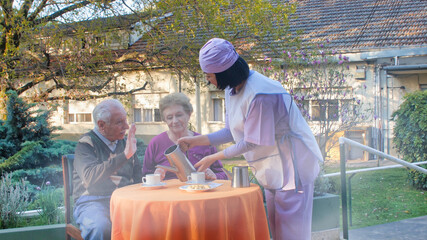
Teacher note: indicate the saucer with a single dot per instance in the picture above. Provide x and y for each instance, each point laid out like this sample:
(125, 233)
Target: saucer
(153, 186)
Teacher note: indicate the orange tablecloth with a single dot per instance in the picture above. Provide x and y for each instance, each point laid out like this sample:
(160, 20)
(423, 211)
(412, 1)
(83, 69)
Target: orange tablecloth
(170, 213)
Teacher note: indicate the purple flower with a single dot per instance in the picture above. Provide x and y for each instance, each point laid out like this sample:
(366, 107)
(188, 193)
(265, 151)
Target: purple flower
(327, 40)
(291, 92)
(340, 57)
(334, 52)
(47, 183)
(375, 116)
(38, 188)
(289, 55)
(340, 62)
(364, 86)
(358, 101)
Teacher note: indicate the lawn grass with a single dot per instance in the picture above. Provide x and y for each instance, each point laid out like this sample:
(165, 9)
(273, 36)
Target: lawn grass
(378, 197)
(383, 196)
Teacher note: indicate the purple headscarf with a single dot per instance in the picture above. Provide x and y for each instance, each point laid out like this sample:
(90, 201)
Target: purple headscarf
(217, 55)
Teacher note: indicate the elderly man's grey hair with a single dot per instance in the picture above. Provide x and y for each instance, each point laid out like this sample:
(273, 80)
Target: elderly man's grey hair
(102, 111)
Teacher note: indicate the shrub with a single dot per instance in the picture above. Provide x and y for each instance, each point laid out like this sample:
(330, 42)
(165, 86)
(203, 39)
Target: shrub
(48, 201)
(13, 200)
(24, 134)
(410, 133)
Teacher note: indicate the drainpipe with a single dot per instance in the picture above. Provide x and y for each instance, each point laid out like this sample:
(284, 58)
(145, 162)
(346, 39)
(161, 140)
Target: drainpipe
(383, 106)
(396, 63)
(387, 112)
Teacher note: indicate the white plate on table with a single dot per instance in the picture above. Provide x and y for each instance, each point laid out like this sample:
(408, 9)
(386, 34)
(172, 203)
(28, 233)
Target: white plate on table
(190, 188)
(206, 182)
(153, 186)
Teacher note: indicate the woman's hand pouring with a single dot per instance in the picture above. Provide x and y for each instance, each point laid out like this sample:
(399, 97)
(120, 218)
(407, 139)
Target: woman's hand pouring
(188, 142)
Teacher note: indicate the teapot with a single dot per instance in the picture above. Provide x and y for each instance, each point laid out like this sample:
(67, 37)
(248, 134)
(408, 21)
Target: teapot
(180, 165)
(240, 176)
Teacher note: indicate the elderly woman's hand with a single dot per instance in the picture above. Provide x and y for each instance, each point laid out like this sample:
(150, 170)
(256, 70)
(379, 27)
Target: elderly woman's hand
(161, 172)
(210, 175)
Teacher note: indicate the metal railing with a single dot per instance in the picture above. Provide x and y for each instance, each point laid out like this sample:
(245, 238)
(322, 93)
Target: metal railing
(345, 141)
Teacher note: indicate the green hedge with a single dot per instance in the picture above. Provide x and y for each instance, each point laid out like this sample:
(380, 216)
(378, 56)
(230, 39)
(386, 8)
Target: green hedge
(410, 133)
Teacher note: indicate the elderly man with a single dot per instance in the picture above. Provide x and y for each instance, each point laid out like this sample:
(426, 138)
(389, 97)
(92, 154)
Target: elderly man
(104, 161)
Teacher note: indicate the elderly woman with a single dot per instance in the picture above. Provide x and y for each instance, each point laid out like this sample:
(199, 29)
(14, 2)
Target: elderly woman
(269, 131)
(175, 110)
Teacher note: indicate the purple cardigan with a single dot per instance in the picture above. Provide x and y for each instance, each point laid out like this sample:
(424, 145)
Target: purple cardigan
(154, 155)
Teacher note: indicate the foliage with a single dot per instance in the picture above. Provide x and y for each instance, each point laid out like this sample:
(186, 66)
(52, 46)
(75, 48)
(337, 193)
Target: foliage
(48, 201)
(322, 87)
(33, 34)
(410, 133)
(252, 27)
(36, 176)
(70, 49)
(25, 129)
(26, 145)
(13, 200)
(140, 149)
(322, 184)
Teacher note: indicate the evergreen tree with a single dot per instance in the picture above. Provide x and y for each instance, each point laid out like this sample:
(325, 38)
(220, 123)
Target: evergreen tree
(25, 129)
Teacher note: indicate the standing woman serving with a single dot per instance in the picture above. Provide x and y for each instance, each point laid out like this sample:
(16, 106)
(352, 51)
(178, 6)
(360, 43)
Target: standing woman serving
(269, 130)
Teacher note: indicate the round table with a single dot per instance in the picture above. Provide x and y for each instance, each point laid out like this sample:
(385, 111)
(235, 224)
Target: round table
(171, 213)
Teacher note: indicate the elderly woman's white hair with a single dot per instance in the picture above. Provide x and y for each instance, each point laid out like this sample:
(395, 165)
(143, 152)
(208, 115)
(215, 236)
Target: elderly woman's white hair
(102, 111)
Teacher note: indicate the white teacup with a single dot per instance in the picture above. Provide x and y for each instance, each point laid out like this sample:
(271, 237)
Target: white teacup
(151, 179)
(197, 177)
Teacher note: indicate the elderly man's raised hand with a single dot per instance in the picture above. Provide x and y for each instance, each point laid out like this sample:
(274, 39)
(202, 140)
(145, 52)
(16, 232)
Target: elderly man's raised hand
(130, 148)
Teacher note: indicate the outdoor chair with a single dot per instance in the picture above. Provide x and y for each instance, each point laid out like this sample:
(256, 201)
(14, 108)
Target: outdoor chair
(71, 231)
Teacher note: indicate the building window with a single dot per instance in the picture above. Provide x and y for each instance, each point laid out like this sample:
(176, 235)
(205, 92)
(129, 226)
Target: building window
(322, 110)
(218, 113)
(79, 117)
(137, 114)
(146, 115)
(157, 117)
